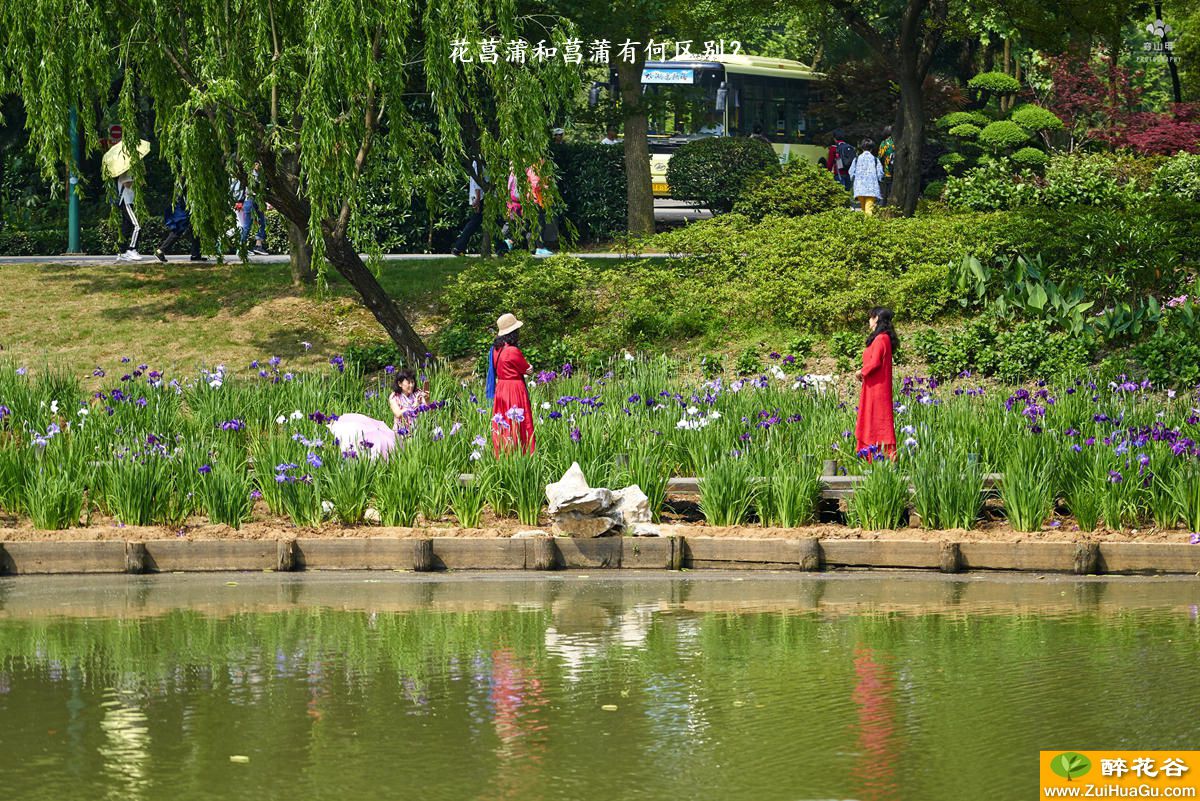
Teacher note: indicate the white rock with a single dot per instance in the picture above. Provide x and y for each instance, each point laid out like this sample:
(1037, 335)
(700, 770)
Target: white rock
(371, 515)
(631, 506)
(572, 494)
(645, 530)
(585, 526)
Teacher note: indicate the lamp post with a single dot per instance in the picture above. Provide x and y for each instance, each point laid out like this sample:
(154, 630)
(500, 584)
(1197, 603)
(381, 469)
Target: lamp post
(72, 184)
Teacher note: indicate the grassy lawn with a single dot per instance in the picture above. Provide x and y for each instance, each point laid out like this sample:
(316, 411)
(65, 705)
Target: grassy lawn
(182, 316)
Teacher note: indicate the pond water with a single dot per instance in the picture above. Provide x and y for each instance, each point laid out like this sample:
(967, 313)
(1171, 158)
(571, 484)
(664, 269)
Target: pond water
(582, 686)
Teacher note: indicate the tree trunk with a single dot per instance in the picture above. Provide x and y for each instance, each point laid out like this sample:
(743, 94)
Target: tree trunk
(639, 192)
(300, 252)
(1172, 66)
(906, 184)
(345, 259)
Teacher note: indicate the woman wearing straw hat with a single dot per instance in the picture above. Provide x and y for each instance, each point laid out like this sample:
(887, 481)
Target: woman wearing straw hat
(512, 418)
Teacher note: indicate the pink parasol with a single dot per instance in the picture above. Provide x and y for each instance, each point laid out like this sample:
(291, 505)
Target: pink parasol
(357, 430)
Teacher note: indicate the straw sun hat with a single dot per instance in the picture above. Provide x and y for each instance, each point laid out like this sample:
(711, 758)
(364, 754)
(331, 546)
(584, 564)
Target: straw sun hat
(507, 324)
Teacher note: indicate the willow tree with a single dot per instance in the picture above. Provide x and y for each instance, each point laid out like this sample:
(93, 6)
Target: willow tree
(311, 90)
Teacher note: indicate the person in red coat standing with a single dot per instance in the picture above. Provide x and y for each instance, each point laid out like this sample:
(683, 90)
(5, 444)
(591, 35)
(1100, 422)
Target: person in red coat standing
(512, 418)
(876, 429)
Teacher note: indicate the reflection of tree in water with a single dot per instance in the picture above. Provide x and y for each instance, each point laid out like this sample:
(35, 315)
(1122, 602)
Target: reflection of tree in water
(517, 702)
(874, 695)
(126, 744)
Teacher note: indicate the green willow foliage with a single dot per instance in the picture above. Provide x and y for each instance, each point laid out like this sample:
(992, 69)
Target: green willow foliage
(313, 89)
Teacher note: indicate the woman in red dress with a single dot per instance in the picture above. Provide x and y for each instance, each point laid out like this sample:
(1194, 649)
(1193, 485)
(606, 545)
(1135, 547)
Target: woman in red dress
(876, 429)
(512, 418)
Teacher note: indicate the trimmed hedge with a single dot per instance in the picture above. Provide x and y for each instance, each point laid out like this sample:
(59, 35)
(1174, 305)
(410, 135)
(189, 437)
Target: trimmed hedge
(803, 188)
(715, 170)
(593, 188)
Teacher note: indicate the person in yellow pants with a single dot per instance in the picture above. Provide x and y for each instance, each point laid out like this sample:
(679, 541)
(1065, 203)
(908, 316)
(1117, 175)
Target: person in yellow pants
(866, 171)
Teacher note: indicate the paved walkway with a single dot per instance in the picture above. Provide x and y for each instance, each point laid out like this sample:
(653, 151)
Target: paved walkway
(148, 258)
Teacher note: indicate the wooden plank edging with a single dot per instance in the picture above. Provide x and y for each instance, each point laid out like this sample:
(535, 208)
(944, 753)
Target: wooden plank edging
(629, 553)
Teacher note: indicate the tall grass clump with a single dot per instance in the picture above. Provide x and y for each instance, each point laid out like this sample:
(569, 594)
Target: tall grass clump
(1028, 485)
(727, 492)
(224, 490)
(348, 482)
(522, 479)
(947, 483)
(1184, 489)
(650, 469)
(136, 486)
(466, 501)
(54, 498)
(790, 496)
(398, 490)
(881, 498)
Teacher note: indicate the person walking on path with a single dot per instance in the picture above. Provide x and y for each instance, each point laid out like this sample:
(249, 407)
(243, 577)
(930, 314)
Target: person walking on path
(475, 199)
(866, 171)
(876, 428)
(252, 210)
(839, 158)
(512, 418)
(130, 227)
(887, 154)
(179, 224)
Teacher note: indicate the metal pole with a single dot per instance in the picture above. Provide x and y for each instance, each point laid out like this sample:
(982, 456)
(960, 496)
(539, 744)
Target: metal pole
(72, 183)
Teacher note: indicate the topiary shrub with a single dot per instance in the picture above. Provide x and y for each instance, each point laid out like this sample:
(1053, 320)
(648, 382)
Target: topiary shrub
(714, 171)
(1030, 158)
(933, 190)
(1036, 118)
(1179, 177)
(963, 117)
(995, 82)
(1003, 135)
(965, 130)
(952, 162)
(802, 188)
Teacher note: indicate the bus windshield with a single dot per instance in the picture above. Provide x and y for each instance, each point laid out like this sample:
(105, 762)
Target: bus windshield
(682, 102)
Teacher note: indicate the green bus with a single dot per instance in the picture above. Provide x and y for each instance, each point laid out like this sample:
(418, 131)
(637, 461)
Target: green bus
(689, 97)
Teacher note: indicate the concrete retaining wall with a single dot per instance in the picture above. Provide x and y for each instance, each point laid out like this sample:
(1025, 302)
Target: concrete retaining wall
(547, 553)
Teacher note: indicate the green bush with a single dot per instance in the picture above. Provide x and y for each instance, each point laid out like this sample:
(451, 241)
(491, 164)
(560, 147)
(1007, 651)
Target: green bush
(991, 187)
(965, 130)
(553, 296)
(592, 183)
(715, 170)
(997, 83)
(1003, 135)
(1092, 180)
(933, 190)
(952, 161)
(846, 347)
(823, 271)
(1030, 158)
(1035, 118)
(976, 118)
(1179, 177)
(803, 188)
(1032, 350)
(1171, 356)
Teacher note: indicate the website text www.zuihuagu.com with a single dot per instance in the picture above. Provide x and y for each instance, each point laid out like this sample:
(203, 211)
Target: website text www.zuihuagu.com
(1118, 791)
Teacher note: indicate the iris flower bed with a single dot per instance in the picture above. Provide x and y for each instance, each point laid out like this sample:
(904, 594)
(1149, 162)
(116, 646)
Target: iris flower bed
(231, 446)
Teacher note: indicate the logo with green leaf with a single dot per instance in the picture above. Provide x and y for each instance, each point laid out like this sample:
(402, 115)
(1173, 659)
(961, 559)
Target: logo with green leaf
(1070, 765)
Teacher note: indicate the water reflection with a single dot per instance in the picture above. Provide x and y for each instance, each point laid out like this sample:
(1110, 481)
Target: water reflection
(125, 746)
(559, 690)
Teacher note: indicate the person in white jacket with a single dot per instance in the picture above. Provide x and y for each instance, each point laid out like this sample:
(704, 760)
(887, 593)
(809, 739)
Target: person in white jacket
(866, 171)
(130, 227)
